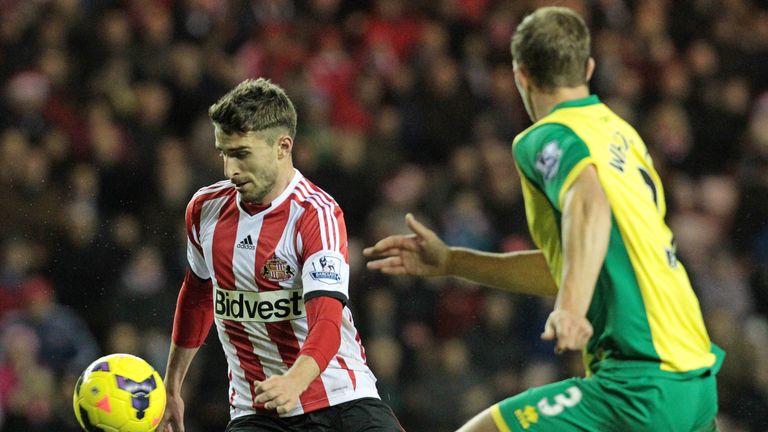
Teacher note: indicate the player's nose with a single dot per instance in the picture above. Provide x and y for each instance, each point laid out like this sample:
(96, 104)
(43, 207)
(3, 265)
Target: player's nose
(231, 167)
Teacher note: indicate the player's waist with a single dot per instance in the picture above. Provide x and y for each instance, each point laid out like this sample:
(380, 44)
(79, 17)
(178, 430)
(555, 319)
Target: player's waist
(335, 391)
(269, 357)
(274, 352)
(258, 306)
(707, 363)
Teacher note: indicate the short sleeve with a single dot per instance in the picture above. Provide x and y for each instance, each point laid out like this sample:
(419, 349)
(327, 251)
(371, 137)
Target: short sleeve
(551, 156)
(195, 257)
(325, 269)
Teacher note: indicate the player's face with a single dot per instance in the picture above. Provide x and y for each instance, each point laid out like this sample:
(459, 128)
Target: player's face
(251, 162)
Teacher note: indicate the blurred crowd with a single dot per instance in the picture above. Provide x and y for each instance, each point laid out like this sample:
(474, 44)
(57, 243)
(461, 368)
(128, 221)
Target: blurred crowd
(403, 106)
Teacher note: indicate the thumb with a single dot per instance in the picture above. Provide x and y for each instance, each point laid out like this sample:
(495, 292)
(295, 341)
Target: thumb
(416, 226)
(549, 332)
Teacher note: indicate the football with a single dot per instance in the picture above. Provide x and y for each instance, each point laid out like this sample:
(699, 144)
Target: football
(119, 393)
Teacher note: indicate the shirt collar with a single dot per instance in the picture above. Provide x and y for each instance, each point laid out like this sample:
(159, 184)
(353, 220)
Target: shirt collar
(573, 103)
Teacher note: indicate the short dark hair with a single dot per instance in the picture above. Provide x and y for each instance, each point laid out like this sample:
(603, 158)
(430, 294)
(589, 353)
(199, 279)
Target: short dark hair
(552, 44)
(253, 106)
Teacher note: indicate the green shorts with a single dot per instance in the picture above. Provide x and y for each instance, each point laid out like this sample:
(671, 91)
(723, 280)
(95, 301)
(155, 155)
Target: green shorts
(606, 404)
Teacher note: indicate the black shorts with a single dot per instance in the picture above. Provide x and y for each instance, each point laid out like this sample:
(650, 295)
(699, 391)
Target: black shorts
(360, 415)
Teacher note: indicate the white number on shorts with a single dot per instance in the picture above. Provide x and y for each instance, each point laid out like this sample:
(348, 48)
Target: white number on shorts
(571, 397)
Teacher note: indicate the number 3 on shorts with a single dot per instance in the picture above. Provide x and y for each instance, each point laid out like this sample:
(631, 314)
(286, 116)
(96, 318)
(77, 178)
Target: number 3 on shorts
(569, 398)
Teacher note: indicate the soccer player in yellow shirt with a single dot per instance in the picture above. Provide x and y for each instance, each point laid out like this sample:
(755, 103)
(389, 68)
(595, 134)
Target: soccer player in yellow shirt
(595, 208)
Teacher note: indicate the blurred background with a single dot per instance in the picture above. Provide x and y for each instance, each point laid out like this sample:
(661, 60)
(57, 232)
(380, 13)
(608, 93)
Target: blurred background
(403, 106)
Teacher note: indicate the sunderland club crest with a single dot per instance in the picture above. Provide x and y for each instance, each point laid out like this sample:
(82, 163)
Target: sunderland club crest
(276, 270)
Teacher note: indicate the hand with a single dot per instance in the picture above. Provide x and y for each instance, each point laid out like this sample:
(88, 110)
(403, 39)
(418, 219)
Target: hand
(571, 330)
(418, 254)
(173, 419)
(279, 392)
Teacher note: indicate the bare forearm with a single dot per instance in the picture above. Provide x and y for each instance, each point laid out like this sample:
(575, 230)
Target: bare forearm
(304, 371)
(282, 392)
(179, 360)
(586, 231)
(524, 272)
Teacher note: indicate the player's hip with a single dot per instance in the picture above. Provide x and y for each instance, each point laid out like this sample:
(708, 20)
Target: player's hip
(333, 387)
(364, 414)
(605, 404)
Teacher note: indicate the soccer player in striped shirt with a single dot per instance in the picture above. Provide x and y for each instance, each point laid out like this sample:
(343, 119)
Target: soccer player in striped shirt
(267, 254)
(595, 209)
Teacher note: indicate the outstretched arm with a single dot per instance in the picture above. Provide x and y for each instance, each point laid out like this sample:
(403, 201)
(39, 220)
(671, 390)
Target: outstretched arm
(524, 272)
(423, 253)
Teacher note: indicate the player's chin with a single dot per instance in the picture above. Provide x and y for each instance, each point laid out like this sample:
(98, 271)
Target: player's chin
(252, 195)
(249, 197)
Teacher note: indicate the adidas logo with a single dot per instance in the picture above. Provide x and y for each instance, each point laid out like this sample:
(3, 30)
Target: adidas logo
(246, 243)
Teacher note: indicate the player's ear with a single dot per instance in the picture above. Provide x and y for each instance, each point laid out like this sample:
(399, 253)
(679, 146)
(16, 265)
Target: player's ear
(522, 79)
(284, 146)
(590, 68)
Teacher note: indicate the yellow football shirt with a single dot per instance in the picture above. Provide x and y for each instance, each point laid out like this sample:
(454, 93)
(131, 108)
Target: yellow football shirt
(644, 311)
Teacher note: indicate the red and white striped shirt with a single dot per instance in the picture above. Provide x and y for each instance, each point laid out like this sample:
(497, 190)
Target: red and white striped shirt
(262, 268)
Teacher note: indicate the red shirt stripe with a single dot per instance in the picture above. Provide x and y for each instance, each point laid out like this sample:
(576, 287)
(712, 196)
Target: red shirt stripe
(281, 332)
(349, 371)
(224, 243)
(194, 210)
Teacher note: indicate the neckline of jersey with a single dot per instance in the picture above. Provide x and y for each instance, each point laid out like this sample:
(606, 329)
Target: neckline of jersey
(573, 103)
(277, 201)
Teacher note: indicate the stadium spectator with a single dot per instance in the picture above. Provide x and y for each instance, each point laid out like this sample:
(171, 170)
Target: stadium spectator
(27, 386)
(65, 342)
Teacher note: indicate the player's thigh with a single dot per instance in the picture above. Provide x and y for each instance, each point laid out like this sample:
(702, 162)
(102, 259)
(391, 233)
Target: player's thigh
(575, 404)
(368, 415)
(256, 423)
(609, 404)
(318, 421)
(709, 427)
(482, 422)
(687, 404)
(652, 404)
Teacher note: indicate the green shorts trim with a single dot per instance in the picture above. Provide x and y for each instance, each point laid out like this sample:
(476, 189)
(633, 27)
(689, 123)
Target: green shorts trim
(501, 424)
(607, 404)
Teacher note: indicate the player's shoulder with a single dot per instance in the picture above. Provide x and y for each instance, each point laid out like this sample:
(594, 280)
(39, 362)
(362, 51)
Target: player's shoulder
(545, 131)
(542, 134)
(215, 190)
(307, 194)
(224, 188)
